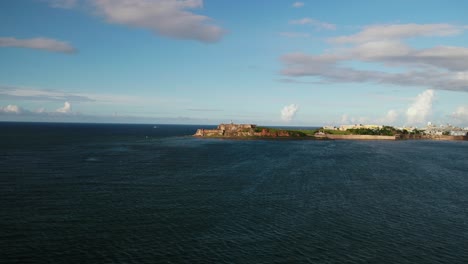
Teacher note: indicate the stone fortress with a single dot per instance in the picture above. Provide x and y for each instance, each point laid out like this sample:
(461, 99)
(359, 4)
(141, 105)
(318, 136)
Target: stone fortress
(228, 130)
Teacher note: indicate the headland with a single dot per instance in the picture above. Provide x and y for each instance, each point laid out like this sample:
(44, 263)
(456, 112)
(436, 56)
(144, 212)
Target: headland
(355, 132)
(252, 131)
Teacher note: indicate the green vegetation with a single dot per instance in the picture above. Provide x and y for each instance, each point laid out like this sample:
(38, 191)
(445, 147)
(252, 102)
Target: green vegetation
(308, 132)
(416, 132)
(335, 132)
(384, 131)
(296, 133)
(292, 133)
(258, 129)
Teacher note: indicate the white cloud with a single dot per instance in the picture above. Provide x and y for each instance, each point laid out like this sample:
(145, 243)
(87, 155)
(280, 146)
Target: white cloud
(399, 31)
(165, 17)
(16, 93)
(288, 112)
(13, 109)
(461, 114)
(389, 119)
(66, 109)
(440, 67)
(418, 112)
(37, 43)
(297, 4)
(66, 4)
(317, 24)
(30, 94)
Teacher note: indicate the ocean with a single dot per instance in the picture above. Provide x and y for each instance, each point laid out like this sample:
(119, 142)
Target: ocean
(100, 193)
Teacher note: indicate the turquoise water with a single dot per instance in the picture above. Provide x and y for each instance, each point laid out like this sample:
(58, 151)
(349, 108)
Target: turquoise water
(77, 193)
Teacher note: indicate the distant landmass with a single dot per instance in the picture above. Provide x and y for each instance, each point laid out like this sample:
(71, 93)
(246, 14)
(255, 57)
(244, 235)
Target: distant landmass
(351, 132)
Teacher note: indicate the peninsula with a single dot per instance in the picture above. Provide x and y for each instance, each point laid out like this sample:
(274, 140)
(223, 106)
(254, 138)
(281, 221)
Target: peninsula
(250, 131)
(350, 132)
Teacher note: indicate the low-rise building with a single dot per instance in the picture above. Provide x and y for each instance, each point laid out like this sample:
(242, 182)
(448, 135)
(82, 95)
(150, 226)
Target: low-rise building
(359, 126)
(459, 133)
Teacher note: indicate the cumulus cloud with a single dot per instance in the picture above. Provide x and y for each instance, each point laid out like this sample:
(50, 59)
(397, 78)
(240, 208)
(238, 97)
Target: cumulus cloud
(66, 109)
(164, 17)
(15, 109)
(12, 109)
(317, 24)
(421, 108)
(440, 67)
(461, 114)
(288, 112)
(297, 4)
(389, 119)
(38, 43)
(391, 116)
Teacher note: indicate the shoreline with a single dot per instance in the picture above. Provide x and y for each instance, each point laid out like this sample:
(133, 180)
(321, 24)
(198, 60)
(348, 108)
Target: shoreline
(338, 137)
(253, 132)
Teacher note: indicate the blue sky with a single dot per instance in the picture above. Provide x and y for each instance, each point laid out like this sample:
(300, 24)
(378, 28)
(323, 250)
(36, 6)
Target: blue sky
(206, 62)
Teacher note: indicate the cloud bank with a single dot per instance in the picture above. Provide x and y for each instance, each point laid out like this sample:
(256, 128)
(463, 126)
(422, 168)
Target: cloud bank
(29, 94)
(399, 31)
(395, 62)
(288, 112)
(11, 109)
(38, 43)
(17, 110)
(163, 17)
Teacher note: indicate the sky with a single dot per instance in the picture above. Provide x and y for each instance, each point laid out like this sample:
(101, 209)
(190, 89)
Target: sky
(295, 63)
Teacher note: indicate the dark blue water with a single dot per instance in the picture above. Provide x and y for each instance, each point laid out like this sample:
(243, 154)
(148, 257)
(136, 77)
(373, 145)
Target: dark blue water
(75, 193)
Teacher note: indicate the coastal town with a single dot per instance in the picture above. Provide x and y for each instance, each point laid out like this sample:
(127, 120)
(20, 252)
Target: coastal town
(356, 132)
(430, 129)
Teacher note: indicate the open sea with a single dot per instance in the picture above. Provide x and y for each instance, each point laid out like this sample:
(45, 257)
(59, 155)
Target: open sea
(95, 193)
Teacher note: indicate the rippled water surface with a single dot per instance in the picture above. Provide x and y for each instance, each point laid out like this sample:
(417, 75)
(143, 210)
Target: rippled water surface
(75, 193)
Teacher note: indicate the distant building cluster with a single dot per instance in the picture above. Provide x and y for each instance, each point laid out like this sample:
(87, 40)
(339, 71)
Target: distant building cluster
(355, 126)
(430, 129)
(447, 129)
